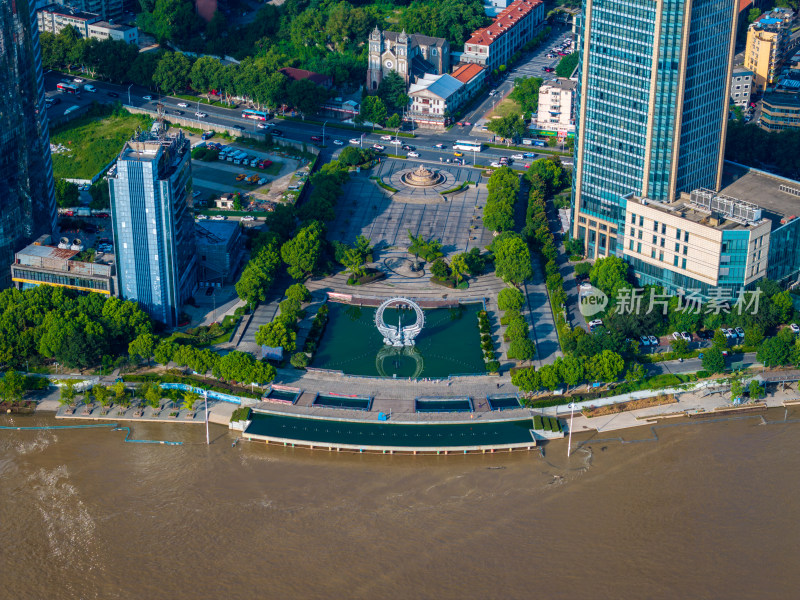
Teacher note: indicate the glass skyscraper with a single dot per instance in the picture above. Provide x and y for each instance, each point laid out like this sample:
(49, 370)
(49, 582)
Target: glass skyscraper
(27, 196)
(652, 107)
(153, 224)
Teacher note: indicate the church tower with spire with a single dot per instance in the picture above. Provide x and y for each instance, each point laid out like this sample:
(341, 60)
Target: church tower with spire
(374, 68)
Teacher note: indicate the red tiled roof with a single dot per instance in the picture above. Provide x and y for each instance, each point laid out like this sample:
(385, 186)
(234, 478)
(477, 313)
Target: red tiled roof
(744, 4)
(298, 74)
(503, 22)
(466, 73)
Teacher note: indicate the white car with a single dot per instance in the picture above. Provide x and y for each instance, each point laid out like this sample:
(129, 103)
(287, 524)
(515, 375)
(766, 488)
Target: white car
(517, 157)
(439, 146)
(595, 323)
(586, 286)
(653, 340)
(386, 138)
(676, 335)
(686, 335)
(218, 218)
(202, 217)
(248, 218)
(261, 125)
(183, 104)
(338, 142)
(147, 98)
(200, 115)
(396, 142)
(795, 327)
(378, 147)
(496, 165)
(355, 141)
(77, 80)
(413, 154)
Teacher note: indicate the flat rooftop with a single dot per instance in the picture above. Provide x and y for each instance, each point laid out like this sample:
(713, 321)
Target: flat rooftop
(763, 189)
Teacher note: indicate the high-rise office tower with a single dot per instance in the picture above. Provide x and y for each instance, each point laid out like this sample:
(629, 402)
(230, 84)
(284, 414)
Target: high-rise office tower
(27, 197)
(653, 96)
(153, 224)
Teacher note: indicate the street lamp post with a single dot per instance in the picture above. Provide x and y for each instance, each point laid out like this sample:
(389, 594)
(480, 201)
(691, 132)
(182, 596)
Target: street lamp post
(205, 397)
(129, 94)
(323, 132)
(571, 416)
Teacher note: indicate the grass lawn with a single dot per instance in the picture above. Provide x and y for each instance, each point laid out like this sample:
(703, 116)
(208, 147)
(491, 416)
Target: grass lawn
(506, 107)
(93, 143)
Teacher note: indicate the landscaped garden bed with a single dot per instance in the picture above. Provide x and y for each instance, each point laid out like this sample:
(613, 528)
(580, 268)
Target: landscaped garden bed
(612, 409)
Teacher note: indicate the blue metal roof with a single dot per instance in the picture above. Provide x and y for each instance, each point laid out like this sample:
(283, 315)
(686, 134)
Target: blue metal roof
(445, 86)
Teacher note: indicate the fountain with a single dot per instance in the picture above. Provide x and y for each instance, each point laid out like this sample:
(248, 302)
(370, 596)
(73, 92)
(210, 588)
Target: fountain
(422, 177)
(399, 336)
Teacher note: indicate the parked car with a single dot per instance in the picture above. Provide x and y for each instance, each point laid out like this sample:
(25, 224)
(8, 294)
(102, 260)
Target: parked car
(686, 335)
(496, 165)
(596, 323)
(148, 98)
(413, 154)
(338, 143)
(795, 327)
(729, 333)
(740, 332)
(645, 340)
(653, 340)
(548, 69)
(183, 104)
(240, 177)
(355, 141)
(676, 335)
(202, 217)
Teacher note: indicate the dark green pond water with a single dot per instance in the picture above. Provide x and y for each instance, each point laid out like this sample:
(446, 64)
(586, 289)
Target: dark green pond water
(449, 343)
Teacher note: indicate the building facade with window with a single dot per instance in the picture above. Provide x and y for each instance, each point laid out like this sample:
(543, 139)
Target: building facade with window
(779, 111)
(652, 109)
(511, 29)
(153, 225)
(434, 98)
(741, 86)
(105, 9)
(556, 110)
(55, 17)
(27, 190)
(767, 39)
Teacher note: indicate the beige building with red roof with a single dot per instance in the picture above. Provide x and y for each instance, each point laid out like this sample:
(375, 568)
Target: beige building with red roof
(514, 27)
(471, 75)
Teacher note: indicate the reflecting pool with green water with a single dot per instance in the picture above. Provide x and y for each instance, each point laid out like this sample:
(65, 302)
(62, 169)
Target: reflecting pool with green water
(449, 343)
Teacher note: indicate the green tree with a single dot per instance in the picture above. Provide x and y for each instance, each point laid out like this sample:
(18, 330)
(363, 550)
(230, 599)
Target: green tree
(680, 346)
(68, 392)
(302, 252)
(172, 73)
(392, 91)
(510, 298)
(737, 387)
(719, 341)
(526, 93)
(606, 366)
(753, 335)
(526, 379)
(548, 375)
(299, 292)
(459, 266)
(100, 195)
(393, 122)
(510, 127)
(306, 96)
(784, 306)
(498, 216)
(570, 369)
(756, 391)
(373, 110)
(567, 65)
(635, 373)
(276, 335)
(609, 274)
(773, 352)
(440, 269)
(523, 350)
(67, 193)
(152, 395)
(101, 394)
(299, 360)
(513, 261)
(713, 361)
(190, 398)
(517, 329)
(12, 386)
(142, 347)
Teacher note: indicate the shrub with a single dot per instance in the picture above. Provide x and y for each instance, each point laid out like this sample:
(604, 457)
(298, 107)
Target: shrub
(537, 423)
(517, 329)
(703, 374)
(510, 316)
(240, 414)
(493, 366)
(299, 360)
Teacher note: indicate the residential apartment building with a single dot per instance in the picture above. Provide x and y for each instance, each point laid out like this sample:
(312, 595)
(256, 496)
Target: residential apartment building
(741, 86)
(648, 128)
(767, 41)
(44, 264)
(514, 27)
(107, 10)
(555, 114)
(27, 196)
(54, 17)
(410, 56)
(779, 111)
(434, 98)
(153, 225)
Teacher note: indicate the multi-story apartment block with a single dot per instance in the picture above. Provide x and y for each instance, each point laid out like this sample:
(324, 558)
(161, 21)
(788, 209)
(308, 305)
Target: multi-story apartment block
(767, 39)
(652, 107)
(741, 86)
(514, 27)
(153, 225)
(556, 111)
(27, 196)
(54, 17)
(106, 9)
(780, 110)
(410, 56)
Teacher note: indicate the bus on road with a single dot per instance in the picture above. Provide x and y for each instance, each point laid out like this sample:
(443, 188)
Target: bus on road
(258, 115)
(468, 145)
(69, 88)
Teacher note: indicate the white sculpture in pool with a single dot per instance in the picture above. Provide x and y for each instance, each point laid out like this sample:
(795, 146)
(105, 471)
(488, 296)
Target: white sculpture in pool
(397, 335)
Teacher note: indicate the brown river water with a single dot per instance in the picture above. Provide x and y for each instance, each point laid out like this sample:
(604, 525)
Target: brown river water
(707, 511)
